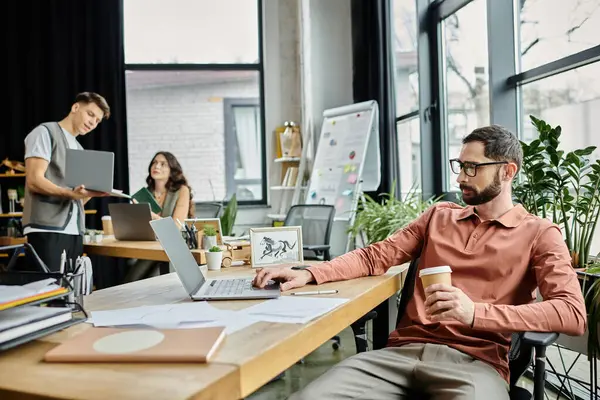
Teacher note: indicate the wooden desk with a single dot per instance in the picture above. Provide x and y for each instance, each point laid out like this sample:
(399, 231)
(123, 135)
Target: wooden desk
(143, 250)
(25, 375)
(248, 359)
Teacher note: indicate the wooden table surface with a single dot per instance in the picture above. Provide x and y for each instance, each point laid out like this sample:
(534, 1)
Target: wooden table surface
(248, 359)
(143, 250)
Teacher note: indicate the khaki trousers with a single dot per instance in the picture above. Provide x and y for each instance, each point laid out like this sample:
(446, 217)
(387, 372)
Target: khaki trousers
(428, 371)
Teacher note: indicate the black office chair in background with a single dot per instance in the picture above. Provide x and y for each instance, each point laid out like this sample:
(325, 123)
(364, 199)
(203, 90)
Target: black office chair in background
(316, 221)
(523, 346)
(208, 210)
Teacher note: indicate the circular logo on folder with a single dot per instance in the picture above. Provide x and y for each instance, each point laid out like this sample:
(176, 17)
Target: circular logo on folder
(128, 342)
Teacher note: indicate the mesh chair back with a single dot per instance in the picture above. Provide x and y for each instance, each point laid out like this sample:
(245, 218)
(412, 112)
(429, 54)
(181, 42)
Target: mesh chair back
(316, 221)
(208, 210)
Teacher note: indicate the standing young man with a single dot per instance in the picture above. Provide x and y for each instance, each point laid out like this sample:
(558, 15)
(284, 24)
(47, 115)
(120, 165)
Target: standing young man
(53, 217)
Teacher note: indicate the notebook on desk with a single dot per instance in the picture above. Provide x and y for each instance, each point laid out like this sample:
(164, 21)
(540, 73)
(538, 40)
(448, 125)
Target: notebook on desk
(140, 345)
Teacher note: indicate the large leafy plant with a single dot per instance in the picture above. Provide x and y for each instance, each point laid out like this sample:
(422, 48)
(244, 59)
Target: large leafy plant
(376, 220)
(563, 187)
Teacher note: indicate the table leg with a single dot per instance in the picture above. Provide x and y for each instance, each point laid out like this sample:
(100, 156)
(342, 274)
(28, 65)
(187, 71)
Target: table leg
(385, 322)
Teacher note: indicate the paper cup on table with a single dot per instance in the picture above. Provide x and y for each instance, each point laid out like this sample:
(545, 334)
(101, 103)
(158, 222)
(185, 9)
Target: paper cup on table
(441, 274)
(107, 226)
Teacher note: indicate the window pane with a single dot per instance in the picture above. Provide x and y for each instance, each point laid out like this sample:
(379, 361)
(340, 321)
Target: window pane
(191, 31)
(248, 168)
(409, 152)
(553, 29)
(571, 100)
(184, 112)
(466, 79)
(405, 56)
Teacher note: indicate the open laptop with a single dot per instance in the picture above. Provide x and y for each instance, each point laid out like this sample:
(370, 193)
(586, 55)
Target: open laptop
(93, 169)
(192, 278)
(131, 221)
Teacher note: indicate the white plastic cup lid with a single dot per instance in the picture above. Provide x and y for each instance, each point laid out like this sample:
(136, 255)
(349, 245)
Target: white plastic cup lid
(106, 218)
(435, 270)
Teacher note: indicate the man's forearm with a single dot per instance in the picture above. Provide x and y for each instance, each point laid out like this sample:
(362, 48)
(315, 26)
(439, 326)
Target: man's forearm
(556, 315)
(46, 187)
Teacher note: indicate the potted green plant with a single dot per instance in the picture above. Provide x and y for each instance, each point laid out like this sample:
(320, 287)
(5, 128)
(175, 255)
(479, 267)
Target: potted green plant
(209, 238)
(229, 216)
(214, 258)
(89, 236)
(565, 187)
(376, 220)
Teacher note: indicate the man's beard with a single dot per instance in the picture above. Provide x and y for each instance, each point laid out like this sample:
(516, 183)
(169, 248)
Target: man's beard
(487, 194)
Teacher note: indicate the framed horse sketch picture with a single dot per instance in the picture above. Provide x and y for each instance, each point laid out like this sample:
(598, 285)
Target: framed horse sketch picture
(275, 246)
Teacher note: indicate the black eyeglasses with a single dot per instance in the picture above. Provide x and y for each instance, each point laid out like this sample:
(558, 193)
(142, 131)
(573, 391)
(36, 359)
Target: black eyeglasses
(470, 168)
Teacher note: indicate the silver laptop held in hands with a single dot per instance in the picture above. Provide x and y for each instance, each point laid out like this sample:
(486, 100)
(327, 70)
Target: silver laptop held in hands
(192, 278)
(93, 169)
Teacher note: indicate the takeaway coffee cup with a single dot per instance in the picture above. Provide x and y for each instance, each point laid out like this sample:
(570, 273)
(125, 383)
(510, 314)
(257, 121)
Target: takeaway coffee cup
(107, 226)
(441, 274)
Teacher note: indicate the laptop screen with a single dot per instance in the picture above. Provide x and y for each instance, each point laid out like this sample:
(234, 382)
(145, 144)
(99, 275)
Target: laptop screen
(179, 254)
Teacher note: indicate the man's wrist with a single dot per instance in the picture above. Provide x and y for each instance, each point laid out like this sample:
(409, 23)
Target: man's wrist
(309, 276)
(68, 193)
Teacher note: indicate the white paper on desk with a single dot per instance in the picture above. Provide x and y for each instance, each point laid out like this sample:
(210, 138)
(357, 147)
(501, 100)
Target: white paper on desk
(293, 310)
(232, 323)
(167, 315)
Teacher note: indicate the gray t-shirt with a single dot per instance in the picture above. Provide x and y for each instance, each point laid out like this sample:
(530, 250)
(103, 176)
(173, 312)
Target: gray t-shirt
(38, 144)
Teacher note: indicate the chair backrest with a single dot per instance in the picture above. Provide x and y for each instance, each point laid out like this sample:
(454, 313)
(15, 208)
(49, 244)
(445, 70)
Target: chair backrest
(208, 210)
(316, 221)
(519, 356)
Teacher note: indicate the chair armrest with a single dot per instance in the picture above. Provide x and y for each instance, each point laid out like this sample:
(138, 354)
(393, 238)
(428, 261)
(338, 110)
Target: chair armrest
(540, 338)
(320, 247)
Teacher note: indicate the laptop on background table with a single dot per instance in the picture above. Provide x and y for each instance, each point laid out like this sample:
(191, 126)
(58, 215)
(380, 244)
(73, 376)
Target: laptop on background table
(192, 278)
(131, 221)
(93, 169)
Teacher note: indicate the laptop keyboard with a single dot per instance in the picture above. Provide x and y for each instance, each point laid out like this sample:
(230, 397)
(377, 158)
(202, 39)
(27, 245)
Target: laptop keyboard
(228, 287)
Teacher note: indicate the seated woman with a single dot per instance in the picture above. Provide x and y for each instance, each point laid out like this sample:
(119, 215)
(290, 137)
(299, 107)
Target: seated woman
(170, 188)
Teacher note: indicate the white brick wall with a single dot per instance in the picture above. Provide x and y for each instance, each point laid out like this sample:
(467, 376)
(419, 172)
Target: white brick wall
(187, 121)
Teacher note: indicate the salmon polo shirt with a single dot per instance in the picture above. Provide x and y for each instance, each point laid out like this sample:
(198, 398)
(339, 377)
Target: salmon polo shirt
(497, 263)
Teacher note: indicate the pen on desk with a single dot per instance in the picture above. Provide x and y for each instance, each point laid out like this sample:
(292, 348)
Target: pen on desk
(315, 292)
(63, 261)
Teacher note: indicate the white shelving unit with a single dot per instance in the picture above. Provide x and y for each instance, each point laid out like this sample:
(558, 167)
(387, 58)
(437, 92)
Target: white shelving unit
(283, 197)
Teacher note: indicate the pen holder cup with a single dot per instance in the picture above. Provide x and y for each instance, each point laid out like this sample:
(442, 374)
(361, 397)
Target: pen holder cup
(76, 286)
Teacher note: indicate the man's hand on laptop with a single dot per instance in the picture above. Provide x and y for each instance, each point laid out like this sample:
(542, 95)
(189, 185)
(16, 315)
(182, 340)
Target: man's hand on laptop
(289, 278)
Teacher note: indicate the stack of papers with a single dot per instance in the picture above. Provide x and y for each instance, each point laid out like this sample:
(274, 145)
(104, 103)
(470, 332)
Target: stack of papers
(286, 309)
(13, 295)
(22, 321)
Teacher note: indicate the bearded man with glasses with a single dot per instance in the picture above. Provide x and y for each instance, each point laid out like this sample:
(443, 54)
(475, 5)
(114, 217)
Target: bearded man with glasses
(452, 341)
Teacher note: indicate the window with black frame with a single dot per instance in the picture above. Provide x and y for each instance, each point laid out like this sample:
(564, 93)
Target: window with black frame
(194, 88)
(406, 85)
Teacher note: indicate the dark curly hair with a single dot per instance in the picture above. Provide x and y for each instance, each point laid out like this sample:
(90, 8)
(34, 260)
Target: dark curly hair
(176, 178)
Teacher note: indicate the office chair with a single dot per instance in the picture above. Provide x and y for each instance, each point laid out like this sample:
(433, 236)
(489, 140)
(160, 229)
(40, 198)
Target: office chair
(521, 351)
(208, 210)
(316, 221)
